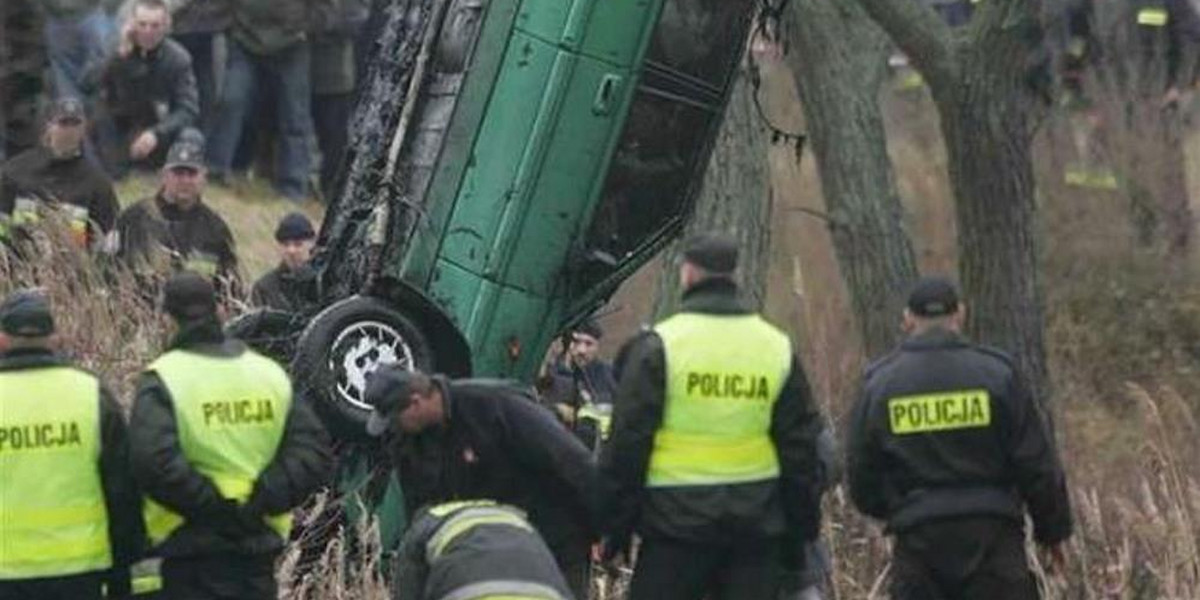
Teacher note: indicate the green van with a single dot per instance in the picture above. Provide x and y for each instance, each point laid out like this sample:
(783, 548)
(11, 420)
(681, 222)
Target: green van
(552, 148)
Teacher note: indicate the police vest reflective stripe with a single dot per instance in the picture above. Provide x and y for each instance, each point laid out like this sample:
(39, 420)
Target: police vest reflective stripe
(1153, 16)
(504, 590)
(467, 518)
(230, 413)
(53, 520)
(723, 377)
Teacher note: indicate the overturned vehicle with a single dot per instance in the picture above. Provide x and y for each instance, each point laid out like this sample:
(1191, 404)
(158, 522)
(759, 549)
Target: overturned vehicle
(511, 163)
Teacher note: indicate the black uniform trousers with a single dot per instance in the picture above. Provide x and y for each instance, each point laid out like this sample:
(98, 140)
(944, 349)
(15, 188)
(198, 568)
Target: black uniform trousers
(677, 570)
(76, 587)
(233, 577)
(971, 558)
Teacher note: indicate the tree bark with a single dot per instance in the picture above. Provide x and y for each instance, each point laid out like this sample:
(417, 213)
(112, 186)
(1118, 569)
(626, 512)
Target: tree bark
(982, 81)
(736, 198)
(838, 56)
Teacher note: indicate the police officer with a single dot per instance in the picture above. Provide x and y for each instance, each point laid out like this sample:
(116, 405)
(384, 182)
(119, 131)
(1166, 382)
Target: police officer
(949, 448)
(69, 518)
(57, 174)
(712, 459)
(175, 229)
(224, 450)
(291, 286)
(475, 549)
(472, 438)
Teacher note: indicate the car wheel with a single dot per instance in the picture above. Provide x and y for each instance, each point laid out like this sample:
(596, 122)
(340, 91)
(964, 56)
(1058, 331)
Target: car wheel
(342, 346)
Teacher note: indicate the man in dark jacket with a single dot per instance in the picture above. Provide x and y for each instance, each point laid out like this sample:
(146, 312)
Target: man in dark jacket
(334, 76)
(196, 25)
(22, 65)
(224, 450)
(174, 229)
(292, 286)
(77, 486)
(713, 457)
(948, 447)
(475, 549)
(476, 438)
(269, 45)
(147, 91)
(56, 174)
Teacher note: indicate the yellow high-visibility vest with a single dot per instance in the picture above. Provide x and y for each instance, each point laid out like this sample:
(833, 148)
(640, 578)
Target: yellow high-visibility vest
(230, 413)
(53, 521)
(724, 375)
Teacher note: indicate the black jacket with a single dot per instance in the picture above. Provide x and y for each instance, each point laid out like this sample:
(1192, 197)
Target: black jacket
(483, 553)
(1000, 469)
(787, 507)
(126, 532)
(497, 443)
(154, 90)
(214, 525)
(286, 289)
(153, 225)
(37, 174)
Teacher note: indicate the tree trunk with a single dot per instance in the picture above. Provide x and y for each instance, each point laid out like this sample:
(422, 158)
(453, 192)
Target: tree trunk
(736, 198)
(838, 56)
(982, 80)
(991, 171)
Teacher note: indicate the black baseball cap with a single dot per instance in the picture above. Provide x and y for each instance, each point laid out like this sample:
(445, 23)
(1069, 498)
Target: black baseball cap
(189, 296)
(716, 253)
(934, 296)
(389, 390)
(26, 313)
(187, 152)
(294, 226)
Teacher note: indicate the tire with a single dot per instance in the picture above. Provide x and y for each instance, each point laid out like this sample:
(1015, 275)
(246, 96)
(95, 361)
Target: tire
(341, 347)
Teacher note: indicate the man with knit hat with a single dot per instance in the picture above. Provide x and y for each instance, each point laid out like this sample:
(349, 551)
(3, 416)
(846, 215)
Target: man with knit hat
(948, 447)
(69, 518)
(224, 451)
(292, 285)
(713, 455)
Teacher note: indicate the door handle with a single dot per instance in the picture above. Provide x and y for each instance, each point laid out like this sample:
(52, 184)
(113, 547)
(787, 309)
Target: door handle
(606, 94)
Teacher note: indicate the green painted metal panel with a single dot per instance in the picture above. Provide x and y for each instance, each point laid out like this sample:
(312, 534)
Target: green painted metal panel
(559, 196)
(616, 29)
(512, 344)
(420, 255)
(607, 30)
(455, 289)
(521, 99)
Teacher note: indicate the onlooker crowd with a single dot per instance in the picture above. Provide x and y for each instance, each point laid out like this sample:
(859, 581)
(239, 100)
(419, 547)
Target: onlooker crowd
(261, 79)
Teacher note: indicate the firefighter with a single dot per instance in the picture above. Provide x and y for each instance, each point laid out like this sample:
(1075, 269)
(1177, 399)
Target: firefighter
(475, 549)
(712, 459)
(223, 450)
(69, 518)
(949, 448)
(473, 438)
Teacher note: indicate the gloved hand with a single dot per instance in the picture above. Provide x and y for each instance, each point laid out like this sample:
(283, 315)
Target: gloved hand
(117, 584)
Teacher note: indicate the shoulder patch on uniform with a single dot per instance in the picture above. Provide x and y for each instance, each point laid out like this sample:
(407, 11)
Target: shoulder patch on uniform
(940, 411)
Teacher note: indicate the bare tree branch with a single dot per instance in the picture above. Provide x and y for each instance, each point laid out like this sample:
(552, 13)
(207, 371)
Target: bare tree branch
(920, 34)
